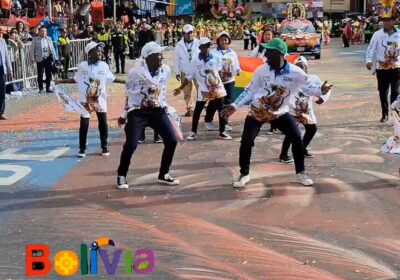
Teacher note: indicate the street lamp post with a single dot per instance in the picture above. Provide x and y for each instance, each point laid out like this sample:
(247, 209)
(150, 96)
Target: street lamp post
(115, 11)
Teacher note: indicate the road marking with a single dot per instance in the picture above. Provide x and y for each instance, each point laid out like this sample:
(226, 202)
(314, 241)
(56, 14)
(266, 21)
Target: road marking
(10, 154)
(19, 173)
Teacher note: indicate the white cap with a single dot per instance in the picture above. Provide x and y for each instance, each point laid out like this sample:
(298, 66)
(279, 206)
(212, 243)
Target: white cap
(188, 28)
(224, 33)
(301, 59)
(93, 45)
(151, 48)
(204, 41)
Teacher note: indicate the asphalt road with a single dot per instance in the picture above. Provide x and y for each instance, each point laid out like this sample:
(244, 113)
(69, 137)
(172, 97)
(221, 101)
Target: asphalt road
(346, 226)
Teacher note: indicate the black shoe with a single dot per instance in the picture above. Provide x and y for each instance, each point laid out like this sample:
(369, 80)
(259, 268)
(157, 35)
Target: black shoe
(141, 141)
(384, 119)
(81, 153)
(167, 179)
(122, 183)
(117, 72)
(123, 72)
(105, 151)
(286, 159)
(307, 154)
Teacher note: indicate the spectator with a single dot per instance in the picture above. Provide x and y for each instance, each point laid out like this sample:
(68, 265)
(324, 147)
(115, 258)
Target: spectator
(31, 6)
(145, 34)
(64, 49)
(43, 53)
(15, 44)
(21, 29)
(87, 33)
(119, 43)
(34, 32)
(5, 69)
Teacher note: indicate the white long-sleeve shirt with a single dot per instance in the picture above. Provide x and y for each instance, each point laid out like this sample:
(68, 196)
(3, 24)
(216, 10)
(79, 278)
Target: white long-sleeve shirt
(384, 50)
(271, 94)
(206, 73)
(184, 54)
(303, 109)
(256, 53)
(145, 91)
(230, 64)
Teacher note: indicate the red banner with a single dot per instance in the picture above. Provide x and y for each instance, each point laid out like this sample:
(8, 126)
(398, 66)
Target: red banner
(97, 12)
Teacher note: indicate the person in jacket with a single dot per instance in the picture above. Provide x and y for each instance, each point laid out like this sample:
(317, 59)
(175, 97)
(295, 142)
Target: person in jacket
(185, 51)
(270, 93)
(6, 70)
(42, 53)
(230, 69)
(64, 49)
(146, 106)
(119, 43)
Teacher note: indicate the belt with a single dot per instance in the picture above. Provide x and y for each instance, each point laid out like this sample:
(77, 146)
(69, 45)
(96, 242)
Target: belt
(138, 108)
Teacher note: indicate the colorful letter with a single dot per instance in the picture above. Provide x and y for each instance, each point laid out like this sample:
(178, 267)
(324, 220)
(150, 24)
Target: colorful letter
(128, 262)
(144, 265)
(84, 259)
(66, 263)
(37, 265)
(111, 269)
(93, 262)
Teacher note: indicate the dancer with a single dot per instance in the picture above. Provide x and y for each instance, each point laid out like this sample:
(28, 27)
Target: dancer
(146, 89)
(185, 51)
(303, 113)
(259, 52)
(230, 69)
(383, 52)
(92, 77)
(204, 68)
(270, 92)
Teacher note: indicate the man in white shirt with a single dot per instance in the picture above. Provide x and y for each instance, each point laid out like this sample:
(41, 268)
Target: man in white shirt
(146, 106)
(384, 53)
(185, 51)
(272, 88)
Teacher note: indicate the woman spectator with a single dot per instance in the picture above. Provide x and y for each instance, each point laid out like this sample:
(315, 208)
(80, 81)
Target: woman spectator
(16, 45)
(22, 31)
(259, 51)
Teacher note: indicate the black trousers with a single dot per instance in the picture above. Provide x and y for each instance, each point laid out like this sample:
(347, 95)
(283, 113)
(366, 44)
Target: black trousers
(103, 129)
(246, 44)
(311, 129)
(136, 122)
(346, 42)
(284, 123)
(253, 42)
(2, 91)
(44, 67)
(388, 78)
(218, 104)
(119, 57)
(66, 61)
(211, 108)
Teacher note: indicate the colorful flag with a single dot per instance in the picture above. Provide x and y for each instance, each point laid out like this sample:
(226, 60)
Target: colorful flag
(69, 104)
(248, 66)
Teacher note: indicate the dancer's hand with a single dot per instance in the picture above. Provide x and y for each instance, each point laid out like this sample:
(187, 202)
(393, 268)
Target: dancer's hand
(325, 88)
(121, 121)
(369, 65)
(319, 101)
(178, 77)
(228, 111)
(177, 91)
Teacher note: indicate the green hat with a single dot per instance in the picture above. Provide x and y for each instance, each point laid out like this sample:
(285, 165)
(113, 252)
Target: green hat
(277, 44)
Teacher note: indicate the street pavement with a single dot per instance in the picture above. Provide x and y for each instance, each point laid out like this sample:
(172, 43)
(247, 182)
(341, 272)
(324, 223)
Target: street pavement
(346, 226)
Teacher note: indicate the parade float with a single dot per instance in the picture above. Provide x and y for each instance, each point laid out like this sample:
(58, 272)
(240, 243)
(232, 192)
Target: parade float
(230, 9)
(299, 33)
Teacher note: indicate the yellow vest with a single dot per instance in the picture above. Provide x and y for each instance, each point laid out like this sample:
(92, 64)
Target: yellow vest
(63, 41)
(103, 38)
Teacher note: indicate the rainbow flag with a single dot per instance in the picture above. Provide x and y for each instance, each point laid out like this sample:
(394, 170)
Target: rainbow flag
(248, 66)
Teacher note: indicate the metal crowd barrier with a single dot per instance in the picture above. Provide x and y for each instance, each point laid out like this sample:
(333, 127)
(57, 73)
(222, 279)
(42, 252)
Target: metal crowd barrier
(25, 72)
